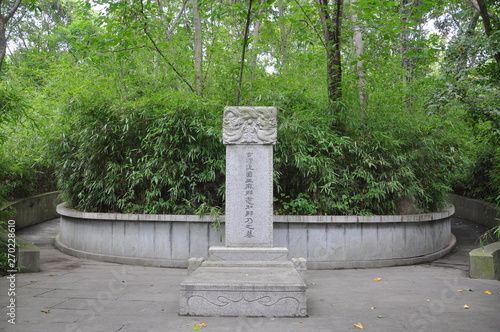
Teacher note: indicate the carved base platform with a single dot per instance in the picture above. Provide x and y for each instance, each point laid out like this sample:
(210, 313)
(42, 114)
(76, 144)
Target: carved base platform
(244, 291)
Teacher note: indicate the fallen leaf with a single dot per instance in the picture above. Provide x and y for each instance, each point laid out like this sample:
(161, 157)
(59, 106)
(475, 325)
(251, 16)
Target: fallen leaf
(196, 327)
(202, 324)
(466, 306)
(380, 316)
(487, 292)
(246, 275)
(321, 299)
(459, 290)
(377, 279)
(428, 300)
(371, 308)
(301, 321)
(312, 283)
(46, 311)
(359, 325)
(51, 275)
(468, 289)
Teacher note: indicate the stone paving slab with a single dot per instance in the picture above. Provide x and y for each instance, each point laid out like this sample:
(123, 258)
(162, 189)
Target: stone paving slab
(133, 298)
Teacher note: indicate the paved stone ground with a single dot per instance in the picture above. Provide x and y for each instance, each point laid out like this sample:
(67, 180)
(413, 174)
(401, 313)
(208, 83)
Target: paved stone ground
(73, 294)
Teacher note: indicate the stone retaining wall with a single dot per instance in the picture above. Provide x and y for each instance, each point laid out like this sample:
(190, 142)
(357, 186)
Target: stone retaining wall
(474, 210)
(33, 210)
(327, 242)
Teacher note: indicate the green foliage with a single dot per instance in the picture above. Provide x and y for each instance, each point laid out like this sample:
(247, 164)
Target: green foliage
(23, 172)
(109, 95)
(362, 169)
(146, 156)
(481, 178)
(163, 154)
(302, 205)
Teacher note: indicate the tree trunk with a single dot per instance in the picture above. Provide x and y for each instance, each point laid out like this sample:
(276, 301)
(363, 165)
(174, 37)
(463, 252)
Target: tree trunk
(3, 43)
(284, 37)
(198, 48)
(405, 61)
(487, 25)
(256, 34)
(4, 19)
(332, 25)
(358, 44)
(245, 39)
(466, 50)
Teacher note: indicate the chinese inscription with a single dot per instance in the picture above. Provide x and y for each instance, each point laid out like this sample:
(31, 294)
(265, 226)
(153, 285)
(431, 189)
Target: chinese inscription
(249, 202)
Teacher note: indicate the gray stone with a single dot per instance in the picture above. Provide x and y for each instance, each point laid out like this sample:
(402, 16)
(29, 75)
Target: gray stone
(249, 196)
(251, 291)
(484, 263)
(247, 277)
(28, 257)
(245, 264)
(194, 263)
(247, 254)
(300, 265)
(249, 125)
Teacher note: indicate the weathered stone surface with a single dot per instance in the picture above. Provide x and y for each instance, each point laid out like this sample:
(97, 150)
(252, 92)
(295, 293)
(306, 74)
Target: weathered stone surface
(249, 125)
(485, 263)
(247, 277)
(194, 263)
(236, 291)
(249, 195)
(247, 254)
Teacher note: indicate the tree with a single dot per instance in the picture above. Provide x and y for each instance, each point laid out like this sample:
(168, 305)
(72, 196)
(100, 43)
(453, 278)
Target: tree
(7, 11)
(358, 44)
(489, 28)
(198, 48)
(332, 29)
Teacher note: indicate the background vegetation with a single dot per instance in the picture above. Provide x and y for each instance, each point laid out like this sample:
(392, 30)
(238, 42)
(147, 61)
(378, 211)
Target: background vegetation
(384, 106)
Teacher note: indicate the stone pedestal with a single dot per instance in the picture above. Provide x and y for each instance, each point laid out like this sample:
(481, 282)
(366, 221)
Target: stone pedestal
(247, 277)
(244, 291)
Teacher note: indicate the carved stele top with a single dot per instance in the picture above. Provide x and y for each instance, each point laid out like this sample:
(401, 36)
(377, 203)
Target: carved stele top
(249, 125)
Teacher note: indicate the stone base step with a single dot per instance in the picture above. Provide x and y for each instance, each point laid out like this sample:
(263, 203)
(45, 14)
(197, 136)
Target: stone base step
(247, 254)
(243, 291)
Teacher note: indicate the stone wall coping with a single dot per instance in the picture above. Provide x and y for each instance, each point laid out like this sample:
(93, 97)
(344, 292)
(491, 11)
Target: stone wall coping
(17, 201)
(488, 250)
(62, 209)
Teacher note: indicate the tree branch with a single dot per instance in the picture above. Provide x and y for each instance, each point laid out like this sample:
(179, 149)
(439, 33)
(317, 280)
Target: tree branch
(177, 19)
(245, 39)
(484, 14)
(126, 49)
(148, 34)
(475, 4)
(310, 22)
(11, 12)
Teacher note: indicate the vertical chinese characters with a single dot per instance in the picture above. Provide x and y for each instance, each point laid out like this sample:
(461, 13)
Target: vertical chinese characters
(249, 203)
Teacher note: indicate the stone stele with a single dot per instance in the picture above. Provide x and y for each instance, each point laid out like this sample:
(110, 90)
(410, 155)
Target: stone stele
(248, 276)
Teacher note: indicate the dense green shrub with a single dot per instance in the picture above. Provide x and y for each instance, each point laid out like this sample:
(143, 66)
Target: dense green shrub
(481, 176)
(362, 171)
(165, 155)
(24, 167)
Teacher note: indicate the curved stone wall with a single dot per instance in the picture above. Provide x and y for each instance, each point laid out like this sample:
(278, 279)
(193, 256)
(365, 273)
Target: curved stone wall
(36, 209)
(327, 242)
(480, 212)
